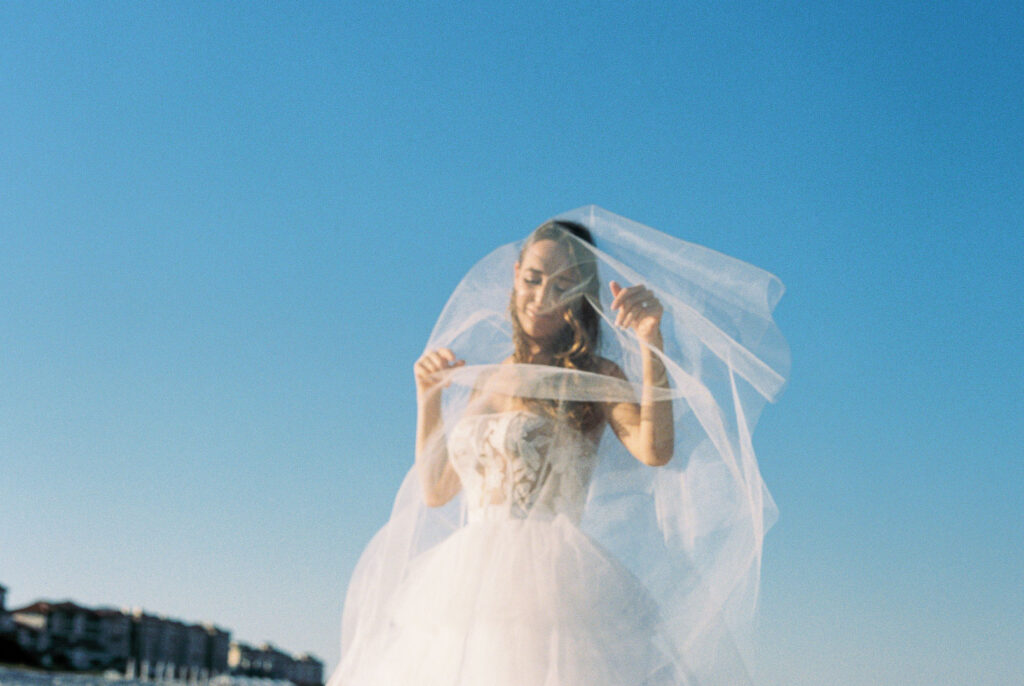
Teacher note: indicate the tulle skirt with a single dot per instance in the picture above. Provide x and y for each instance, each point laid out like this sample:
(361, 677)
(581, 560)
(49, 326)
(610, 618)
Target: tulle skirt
(513, 602)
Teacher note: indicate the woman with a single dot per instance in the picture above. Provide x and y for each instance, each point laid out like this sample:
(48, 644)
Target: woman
(525, 548)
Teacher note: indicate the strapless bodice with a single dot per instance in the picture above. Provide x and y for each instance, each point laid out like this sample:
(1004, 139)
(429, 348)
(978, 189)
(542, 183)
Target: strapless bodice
(521, 464)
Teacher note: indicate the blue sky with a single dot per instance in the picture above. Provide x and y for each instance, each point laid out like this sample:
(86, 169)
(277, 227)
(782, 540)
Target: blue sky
(226, 230)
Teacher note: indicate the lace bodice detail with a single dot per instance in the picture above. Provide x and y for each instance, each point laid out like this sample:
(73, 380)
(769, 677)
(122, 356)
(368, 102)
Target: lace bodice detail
(519, 464)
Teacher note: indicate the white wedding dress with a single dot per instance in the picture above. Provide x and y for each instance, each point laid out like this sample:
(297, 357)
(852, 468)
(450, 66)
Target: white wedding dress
(564, 561)
(520, 595)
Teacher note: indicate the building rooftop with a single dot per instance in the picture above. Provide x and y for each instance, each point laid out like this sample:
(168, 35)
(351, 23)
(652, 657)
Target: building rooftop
(46, 607)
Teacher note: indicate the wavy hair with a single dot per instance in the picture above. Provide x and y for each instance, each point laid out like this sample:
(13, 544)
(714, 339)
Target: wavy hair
(576, 344)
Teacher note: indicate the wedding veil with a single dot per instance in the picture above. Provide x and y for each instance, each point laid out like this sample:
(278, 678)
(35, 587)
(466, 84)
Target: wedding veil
(690, 531)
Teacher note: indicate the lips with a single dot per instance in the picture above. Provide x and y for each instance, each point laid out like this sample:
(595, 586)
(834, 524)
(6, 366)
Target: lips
(535, 316)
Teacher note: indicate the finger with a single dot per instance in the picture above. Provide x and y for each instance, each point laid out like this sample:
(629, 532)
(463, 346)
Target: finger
(615, 287)
(644, 300)
(435, 362)
(441, 362)
(618, 315)
(444, 359)
(630, 294)
(643, 307)
(617, 293)
(632, 307)
(632, 316)
(424, 372)
(422, 365)
(634, 294)
(637, 317)
(422, 375)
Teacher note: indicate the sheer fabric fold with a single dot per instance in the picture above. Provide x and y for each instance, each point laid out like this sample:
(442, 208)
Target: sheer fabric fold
(563, 560)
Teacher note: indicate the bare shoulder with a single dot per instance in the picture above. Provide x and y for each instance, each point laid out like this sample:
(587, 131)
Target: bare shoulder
(609, 368)
(490, 388)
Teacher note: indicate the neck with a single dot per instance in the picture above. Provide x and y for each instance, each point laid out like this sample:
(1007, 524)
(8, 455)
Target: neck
(537, 352)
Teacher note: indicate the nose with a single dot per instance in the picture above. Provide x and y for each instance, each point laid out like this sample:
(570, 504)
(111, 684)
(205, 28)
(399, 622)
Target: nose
(545, 299)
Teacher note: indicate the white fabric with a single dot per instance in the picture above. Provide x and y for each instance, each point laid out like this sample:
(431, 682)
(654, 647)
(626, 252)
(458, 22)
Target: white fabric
(564, 561)
(518, 465)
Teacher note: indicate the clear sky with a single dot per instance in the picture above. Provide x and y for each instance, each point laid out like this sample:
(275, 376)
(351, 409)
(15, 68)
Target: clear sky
(226, 230)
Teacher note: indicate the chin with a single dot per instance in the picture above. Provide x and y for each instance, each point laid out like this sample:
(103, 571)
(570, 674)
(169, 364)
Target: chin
(540, 329)
(542, 333)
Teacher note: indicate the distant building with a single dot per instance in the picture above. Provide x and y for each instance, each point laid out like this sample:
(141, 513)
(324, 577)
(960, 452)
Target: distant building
(114, 636)
(307, 671)
(146, 644)
(65, 635)
(217, 645)
(165, 648)
(74, 637)
(7, 628)
(270, 662)
(6, 621)
(247, 660)
(11, 651)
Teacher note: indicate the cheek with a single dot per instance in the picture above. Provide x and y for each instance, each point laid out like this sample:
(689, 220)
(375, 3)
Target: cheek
(558, 310)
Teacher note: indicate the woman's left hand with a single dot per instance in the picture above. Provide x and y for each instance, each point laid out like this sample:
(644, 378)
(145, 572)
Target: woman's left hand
(637, 309)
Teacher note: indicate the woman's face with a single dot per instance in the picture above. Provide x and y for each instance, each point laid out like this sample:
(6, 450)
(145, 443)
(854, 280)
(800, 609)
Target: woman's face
(543, 281)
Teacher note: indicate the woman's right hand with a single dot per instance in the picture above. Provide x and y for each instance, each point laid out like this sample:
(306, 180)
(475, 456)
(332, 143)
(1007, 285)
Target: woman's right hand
(427, 369)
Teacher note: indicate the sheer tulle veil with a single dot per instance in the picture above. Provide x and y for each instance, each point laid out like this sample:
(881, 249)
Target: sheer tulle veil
(691, 531)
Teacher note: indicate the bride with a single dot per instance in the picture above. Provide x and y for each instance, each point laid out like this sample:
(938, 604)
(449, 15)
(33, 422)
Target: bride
(526, 547)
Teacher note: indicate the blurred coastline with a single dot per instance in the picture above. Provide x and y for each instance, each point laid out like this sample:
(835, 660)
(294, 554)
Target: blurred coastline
(25, 676)
(67, 643)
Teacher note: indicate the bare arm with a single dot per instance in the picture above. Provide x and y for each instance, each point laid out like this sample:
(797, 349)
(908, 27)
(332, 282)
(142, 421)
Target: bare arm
(646, 428)
(438, 479)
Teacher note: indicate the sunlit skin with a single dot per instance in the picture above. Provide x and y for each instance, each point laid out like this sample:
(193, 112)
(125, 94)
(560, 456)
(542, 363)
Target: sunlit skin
(544, 284)
(541, 282)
